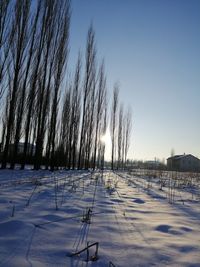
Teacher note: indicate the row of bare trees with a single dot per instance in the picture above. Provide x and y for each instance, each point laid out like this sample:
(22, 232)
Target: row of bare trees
(46, 118)
(120, 128)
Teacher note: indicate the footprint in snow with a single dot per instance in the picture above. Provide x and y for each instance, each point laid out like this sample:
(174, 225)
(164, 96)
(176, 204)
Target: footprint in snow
(164, 228)
(139, 201)
(167, 229)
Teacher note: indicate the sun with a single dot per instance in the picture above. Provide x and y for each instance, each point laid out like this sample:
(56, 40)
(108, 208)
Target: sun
(106, 139)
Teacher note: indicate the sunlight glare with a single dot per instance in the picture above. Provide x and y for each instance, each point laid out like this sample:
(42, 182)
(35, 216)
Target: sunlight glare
(106, 139)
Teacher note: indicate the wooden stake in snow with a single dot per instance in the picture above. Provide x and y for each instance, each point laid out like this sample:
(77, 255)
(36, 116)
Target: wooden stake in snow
(13, 211)
(87, 216)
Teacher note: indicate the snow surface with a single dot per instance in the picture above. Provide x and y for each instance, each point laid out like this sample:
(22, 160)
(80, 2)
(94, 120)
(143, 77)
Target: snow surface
(43, 220)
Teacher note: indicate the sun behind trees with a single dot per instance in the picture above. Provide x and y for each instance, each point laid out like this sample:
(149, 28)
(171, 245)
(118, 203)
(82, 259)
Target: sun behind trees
(46, 119)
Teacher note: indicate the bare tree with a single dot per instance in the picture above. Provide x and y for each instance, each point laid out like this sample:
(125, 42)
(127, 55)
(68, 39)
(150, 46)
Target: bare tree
(6, 35)
(87, 94)
(123, 141)
(113, 124)
(120, 137)
(18, 52)
(75, 116)
(64, 146)
(4, 123)
(90, 122)
(62, 29)
(128, 127)
(44, 92)
(101, 94)
(24, 85)
(45, 17)
(102, 132)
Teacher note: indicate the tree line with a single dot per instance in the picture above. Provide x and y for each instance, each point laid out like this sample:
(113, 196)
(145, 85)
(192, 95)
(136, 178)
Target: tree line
(59, 120)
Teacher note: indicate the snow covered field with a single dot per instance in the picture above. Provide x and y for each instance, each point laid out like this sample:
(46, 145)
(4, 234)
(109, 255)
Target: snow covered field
(47, 217)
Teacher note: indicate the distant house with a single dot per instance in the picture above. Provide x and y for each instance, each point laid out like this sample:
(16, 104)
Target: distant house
(30, 148)
(152, 164)
(183, 163)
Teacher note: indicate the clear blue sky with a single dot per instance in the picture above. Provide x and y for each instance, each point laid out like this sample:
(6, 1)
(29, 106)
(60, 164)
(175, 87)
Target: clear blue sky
(152, 48)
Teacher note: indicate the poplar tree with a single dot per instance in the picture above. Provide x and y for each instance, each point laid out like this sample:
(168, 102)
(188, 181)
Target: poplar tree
(113, 124)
